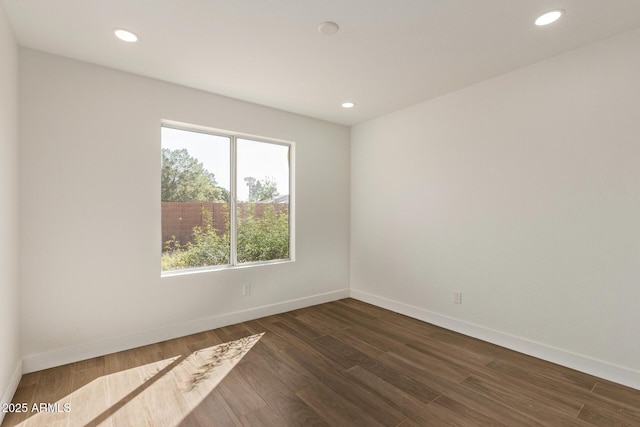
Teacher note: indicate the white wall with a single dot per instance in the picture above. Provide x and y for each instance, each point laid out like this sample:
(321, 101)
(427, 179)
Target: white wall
(523, 192)
(90, 210)
(9, 342)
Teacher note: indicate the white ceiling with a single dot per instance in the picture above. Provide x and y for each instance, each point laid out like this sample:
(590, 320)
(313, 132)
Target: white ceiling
(388, 54)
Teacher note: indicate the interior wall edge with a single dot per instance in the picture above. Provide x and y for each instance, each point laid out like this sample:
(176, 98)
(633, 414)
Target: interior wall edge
(618, 374)
(59, 357)
(12, 387)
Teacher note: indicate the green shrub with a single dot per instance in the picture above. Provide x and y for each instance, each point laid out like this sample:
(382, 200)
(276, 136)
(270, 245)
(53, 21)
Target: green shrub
(259, 239)
(265, 238)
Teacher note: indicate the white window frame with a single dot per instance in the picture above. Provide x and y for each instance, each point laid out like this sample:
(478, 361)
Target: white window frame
(233, 252)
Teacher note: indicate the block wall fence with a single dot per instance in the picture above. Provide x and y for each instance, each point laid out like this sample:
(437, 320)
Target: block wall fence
(179, 218)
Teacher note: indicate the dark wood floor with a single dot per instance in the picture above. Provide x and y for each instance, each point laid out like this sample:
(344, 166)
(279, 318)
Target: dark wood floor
(344, 363)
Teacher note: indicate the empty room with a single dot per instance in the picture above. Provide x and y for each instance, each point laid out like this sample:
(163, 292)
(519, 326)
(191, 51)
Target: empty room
(333, 213)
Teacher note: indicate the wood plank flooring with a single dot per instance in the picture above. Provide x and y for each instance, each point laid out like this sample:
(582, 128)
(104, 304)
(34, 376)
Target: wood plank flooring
(344, 363)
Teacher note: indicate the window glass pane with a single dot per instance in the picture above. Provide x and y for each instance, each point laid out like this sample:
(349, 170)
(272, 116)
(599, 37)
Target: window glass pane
(195, 187)
(263, 201)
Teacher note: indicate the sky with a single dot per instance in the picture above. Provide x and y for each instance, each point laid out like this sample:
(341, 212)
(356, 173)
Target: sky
(256, 159)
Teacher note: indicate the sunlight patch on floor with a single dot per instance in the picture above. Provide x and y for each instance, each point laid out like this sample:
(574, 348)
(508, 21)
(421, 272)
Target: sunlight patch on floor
(164, 391)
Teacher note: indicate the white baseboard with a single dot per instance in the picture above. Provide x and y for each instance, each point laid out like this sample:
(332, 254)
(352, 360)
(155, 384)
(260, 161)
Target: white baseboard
(36, 362)
(598, 368)
(8, 393)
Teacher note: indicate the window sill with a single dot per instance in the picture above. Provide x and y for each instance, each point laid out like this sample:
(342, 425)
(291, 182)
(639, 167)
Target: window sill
(187, 271)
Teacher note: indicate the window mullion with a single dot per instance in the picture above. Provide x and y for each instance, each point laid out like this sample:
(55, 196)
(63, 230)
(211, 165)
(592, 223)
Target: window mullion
(233, 258)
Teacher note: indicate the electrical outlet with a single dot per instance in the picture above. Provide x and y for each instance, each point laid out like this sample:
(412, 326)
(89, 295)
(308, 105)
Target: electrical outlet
(457, 297)
(246, 289)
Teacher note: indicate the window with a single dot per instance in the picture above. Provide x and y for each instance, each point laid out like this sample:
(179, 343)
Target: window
(226, 200)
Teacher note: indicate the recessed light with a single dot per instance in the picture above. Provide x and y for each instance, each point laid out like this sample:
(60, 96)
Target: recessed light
(348, 105)
(328, 28)
(549, 17)
(125, 36)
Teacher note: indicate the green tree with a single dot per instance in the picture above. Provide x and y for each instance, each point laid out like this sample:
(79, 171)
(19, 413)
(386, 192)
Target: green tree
(184, 179)
(261, 191)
